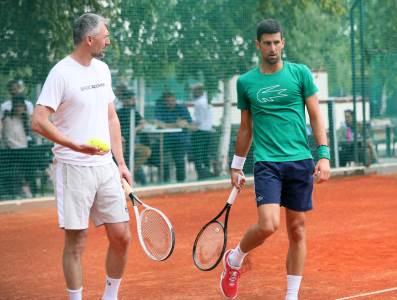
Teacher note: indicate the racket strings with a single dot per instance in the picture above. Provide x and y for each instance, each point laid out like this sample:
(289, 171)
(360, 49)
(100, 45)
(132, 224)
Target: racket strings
(209, 246)
(156, 234)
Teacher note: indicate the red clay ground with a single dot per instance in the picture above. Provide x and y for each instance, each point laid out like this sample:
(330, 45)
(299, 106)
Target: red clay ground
(352, 249)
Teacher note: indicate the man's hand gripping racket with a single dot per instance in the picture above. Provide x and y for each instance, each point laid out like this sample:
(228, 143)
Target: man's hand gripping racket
(155, 231)
(210, 243)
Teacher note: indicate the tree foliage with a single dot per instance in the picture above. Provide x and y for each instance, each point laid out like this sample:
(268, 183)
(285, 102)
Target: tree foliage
(381, 55)
(37, 33)
(210, 40)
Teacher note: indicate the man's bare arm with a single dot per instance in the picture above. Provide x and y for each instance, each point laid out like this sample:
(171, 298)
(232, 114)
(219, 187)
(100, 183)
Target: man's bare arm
(42, 125)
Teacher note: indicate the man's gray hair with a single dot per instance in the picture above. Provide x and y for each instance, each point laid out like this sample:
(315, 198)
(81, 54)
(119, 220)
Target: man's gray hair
(87, 24)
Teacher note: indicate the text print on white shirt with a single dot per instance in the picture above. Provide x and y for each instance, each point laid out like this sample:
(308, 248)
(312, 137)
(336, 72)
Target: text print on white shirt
(92, 86)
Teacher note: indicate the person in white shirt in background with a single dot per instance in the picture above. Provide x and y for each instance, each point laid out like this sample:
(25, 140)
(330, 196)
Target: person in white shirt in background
(202, 132)
(16, 87)
(78, 95)
(15, 131)
(15, 135)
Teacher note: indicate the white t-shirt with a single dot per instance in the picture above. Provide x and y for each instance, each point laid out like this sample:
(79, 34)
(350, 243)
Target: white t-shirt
(13, 133)
(203, 113)
(7, 106)
(80, 96)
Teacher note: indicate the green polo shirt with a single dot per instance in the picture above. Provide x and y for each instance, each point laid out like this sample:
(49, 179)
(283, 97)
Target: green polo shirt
(277, 105)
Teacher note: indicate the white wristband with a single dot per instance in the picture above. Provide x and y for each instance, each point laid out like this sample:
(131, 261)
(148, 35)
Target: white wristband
(238, 162)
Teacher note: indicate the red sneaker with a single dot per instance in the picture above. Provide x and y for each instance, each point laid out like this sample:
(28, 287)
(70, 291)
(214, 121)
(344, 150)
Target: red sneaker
(229, 278)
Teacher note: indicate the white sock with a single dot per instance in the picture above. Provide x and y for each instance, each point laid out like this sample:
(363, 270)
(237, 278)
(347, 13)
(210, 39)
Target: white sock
(236, 257)
(111, 288)
(293, 284)
(75, 294)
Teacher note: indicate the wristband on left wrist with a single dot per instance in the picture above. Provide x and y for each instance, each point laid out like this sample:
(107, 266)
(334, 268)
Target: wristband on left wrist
(323, 152)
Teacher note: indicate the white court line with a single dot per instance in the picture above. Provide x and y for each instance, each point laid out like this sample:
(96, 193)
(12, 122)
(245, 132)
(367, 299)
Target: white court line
(369, 294)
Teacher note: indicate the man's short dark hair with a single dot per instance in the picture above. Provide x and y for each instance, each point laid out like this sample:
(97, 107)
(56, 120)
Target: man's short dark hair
(268, 26)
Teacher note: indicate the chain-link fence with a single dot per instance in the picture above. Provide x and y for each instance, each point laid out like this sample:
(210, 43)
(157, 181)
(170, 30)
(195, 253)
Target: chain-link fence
(373, 115)
(174, 67)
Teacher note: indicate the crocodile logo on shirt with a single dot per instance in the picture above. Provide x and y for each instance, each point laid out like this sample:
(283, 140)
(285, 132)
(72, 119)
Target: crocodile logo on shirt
(268, 94)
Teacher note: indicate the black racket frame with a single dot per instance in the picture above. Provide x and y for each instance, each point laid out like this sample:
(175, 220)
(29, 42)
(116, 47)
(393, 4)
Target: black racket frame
(224, 226)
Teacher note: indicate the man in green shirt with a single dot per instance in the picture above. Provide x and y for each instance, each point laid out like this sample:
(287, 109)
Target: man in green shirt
(272, 98)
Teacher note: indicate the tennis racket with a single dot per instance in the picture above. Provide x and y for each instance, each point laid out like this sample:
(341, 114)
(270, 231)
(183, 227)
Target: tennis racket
(210, 243)
(155, 231)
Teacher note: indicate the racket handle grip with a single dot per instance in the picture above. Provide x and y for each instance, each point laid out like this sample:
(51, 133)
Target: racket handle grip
(234, 192)
(232, 196)
(240, 177)
(126, 186)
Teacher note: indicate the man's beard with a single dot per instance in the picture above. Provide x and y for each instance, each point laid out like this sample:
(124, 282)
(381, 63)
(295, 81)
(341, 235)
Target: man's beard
(98, 55)
(273, 60)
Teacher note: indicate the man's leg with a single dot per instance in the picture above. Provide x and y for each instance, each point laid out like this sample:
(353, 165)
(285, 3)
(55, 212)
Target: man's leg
(75, 241)
(119, 239)
(141, 155)
(167, 154)
(268, 222)
(268, 186)
(178, 154)
(201, 145)
(296, 252)
(207, 154)
(372, 154)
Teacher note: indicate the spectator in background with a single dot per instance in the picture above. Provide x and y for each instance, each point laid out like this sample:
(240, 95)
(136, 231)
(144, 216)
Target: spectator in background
(202, 132)
(346, 135)
(16, 129)
(142, 150)
(15, 135)
(16, 87)
(169, 114)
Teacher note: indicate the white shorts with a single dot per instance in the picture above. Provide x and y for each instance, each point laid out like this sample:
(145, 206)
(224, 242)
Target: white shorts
(89, 191)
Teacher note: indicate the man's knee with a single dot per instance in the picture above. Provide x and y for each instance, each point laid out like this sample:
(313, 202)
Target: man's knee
(266, 229)
(120, 237)
(269, 220)
(75, 242)
(297, 232)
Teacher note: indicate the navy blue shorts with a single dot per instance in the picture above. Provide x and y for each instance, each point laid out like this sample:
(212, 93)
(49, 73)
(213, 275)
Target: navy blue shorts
(289, 184)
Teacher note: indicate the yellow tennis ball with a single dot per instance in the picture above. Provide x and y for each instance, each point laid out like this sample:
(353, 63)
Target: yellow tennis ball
(100, 144)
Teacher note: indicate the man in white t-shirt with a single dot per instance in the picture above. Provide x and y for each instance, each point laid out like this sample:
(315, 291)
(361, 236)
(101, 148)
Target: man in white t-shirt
(78, 95)
(15, 87)
(202, 132)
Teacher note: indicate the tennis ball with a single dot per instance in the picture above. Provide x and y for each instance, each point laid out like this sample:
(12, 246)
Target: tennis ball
(100, 144)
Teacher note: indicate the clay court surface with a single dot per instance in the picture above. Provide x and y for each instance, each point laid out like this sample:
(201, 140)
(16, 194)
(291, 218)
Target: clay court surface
(352, 237)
